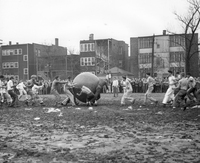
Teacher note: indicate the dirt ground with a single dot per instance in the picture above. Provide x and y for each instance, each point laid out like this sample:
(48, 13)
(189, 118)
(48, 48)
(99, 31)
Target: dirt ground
(106, 133)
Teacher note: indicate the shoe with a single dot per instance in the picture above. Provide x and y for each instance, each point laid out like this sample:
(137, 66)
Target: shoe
(95, 103)
(42, 104)
(184, 108)
(122, 104)
(156, 103)
(26, 102)
(63, 104)
(133, 101)
(164, 105)
(11, 105)
(33, 104)
(174, 107)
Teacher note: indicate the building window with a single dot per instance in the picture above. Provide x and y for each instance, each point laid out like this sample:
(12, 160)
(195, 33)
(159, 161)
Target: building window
(11, 52)
(8, 65)
(144, 58)
(25, 58)
(120, 50)
(25, 71)
(92, 45)
(16, 77)
(87, 47)
(145, 42)
(120, 63)
(177, 56)
(17, 52)
(177, 41)
(82, 47)
(16, 64)
(87, 61)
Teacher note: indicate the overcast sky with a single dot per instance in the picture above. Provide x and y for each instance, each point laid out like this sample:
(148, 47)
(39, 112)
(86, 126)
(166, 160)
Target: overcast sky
(41, 21)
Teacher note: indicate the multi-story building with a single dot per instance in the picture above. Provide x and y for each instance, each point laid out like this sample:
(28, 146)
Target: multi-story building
(159, 53)
(98, 56)
(23, 60)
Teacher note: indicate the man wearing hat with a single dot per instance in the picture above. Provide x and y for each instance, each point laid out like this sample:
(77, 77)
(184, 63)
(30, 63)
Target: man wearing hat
(169, 95)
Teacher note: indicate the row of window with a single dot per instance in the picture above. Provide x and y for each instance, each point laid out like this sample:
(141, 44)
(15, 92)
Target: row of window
(16, 77)
(8, 65)
(87, 61)
(176, 40)
(145, 58)
(11, 52)
(25, 71)
(145, 43)
(87, 47)
(176, 69)
(177, 56)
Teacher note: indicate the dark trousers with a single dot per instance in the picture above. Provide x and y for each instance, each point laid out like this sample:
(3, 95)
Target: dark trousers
(13, 96)
(179, 98)
(189, 93)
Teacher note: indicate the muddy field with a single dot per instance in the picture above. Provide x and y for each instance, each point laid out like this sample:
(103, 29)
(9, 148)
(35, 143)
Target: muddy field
(106, 133)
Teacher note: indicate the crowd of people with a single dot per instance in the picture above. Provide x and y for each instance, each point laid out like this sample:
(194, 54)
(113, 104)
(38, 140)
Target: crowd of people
(176, 87)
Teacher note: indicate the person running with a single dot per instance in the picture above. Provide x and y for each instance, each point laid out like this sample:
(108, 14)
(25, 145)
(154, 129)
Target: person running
(69, 91)
(21, 88)
(183, 87)
(169, 95)
(150, 82)
(88, 92)
(127, 91)
(30, 84)
(3, 91)
(99, 88)
(192, 87)
(54, 89)
(10, 89)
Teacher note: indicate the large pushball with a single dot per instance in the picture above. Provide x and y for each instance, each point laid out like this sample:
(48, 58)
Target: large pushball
(85, 79)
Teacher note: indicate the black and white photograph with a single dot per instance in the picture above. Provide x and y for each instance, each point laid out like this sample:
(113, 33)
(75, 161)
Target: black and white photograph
(99, 81)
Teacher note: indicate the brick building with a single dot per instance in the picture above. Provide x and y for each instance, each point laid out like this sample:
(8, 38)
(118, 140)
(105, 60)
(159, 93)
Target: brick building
(23, 60)
(98, 56)
(159, 53)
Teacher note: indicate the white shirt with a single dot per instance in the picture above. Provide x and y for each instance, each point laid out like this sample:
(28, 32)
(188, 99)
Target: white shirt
(151, 81)
(2, 87)
(85, 89)
(192, 82)
(115, 83)
(35, 88)
(172, 80)
(10, 85)
(20, 86)
(128, 86)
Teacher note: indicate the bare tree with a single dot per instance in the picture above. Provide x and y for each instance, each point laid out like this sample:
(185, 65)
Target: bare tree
(190, 24)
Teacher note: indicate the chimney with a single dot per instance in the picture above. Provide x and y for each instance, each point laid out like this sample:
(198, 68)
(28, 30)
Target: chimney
(56, 42)
(10, 42)
(17, 43)
(164, 32)
(91, 37)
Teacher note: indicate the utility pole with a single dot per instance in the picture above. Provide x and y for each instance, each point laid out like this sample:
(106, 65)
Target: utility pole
(108, 55)
(152, 57)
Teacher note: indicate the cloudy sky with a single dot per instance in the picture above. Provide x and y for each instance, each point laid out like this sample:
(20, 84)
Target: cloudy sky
(41, 21)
